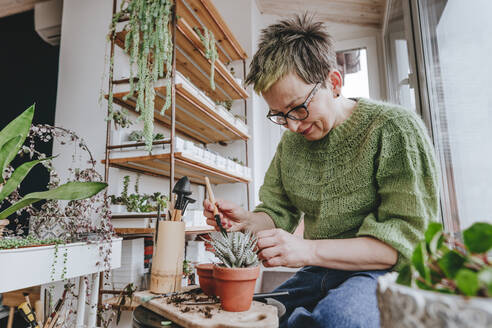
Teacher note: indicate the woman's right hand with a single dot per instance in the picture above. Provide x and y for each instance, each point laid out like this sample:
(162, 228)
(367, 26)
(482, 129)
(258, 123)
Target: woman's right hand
(232, 216)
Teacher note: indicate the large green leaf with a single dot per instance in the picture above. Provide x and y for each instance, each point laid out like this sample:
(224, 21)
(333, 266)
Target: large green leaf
(433, 228)
(69, 191)
(18, 127)
(6, 151)
(405, 276)
(478, 237)
(17, 177)
(450, 263)
(419, 261)
(467, 282)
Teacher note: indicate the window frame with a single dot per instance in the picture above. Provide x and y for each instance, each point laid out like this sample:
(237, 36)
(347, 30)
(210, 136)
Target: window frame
(412, 11)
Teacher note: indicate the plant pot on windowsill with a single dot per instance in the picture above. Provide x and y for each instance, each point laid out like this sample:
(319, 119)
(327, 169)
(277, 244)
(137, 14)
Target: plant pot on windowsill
(446, 284)
(235, 278)
(412, 307)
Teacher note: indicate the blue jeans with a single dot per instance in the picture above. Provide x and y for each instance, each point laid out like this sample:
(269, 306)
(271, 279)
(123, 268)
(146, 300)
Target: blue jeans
(321, 297)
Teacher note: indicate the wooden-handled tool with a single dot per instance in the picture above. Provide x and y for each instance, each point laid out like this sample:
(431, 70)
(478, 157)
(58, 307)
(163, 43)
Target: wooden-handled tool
(211, 198)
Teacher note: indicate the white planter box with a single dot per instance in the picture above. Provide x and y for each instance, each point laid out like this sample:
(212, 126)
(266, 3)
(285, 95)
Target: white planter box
(221, 162)
(27, 267)
(240, 125)
(403, 306)
(230, 166)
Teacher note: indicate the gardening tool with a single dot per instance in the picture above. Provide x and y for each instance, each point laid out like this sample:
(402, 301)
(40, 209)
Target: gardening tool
(258, 296)
(187, 200)
(211, 198)
(181, 189)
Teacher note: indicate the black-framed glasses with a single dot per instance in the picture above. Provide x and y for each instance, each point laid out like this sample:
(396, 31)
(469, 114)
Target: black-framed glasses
(297, 113)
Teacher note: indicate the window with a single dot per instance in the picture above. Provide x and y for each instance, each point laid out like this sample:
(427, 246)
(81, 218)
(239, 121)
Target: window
(398, 41)
(353, 66)
(457, 50)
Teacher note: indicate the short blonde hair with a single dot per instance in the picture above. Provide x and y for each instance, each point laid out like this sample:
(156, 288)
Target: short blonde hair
(298, 44)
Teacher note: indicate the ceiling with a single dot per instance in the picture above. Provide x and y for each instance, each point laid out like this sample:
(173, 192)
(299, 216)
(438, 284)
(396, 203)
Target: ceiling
(11, 7)
(363, 13)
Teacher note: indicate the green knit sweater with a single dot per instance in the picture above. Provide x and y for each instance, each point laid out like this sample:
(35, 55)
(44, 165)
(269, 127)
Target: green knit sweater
(373, 175)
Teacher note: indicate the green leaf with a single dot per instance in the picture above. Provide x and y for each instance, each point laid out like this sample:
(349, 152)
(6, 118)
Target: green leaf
(467, 282)
(422, 285)
(432, 230)
(451, 263)
(69, 191)
(18, 127)
(405, 276)
(6, 151)
(419, 261)
(17, 177)
(436, 243)
(478, 237)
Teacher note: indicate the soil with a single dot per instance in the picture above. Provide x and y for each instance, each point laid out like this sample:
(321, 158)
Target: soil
(194, 296)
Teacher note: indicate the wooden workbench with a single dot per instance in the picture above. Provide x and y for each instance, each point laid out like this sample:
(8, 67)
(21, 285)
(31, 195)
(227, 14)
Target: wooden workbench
(260, 315)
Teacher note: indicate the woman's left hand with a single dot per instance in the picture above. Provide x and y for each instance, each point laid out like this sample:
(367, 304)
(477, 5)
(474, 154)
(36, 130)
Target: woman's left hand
(277, 247)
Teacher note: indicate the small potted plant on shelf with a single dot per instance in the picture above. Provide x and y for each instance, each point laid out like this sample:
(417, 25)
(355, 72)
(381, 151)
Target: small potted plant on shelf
(136, 202)
(236, 276)
(122, 120)
(447, 283)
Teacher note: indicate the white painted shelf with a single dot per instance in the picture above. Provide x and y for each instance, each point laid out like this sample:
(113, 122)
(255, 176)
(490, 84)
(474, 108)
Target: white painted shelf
(32, 266)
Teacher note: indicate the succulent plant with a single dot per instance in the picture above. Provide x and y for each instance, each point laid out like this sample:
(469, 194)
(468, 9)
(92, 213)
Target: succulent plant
(235, 249)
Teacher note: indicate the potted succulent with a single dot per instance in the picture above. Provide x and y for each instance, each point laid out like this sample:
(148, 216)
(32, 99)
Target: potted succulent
(12, 138)
(447, 283)
(235, 278)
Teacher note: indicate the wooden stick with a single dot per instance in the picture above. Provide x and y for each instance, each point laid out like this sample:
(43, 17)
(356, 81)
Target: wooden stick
(210, 194)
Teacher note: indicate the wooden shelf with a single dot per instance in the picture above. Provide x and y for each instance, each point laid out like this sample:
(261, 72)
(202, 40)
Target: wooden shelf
(158, 165)
(192, 63)
(196, 11)
(149, 231)
(194, 117)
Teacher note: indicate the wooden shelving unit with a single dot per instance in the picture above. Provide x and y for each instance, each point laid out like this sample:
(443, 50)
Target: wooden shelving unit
(158, 165)
(190, 113)
(194, 117)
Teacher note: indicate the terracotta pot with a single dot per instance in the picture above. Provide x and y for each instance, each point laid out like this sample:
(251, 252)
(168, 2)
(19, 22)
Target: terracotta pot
(235, 287)
(205, 277)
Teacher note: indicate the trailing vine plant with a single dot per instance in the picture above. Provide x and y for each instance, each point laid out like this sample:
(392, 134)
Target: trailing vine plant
(208, 41)
(149, 44)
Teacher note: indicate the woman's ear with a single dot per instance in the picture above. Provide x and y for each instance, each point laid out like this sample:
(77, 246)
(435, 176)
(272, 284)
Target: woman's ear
(335, 81)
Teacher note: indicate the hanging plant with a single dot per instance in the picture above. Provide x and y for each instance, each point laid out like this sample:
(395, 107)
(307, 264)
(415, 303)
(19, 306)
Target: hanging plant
(149, 44)
(208, 41)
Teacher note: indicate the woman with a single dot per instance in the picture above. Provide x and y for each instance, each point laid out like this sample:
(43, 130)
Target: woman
(362, 173)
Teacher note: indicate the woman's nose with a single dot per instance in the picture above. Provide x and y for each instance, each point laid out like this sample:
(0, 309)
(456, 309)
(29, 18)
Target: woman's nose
(293, 125)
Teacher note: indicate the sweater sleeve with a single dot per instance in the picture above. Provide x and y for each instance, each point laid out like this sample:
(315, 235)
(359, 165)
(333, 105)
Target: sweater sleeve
(274, 200)
(407, 182)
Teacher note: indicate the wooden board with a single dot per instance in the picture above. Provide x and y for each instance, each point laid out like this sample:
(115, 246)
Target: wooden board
(149, 231)
(158, 165)
(16, 297)
(258, 316)
(194, 118)
(198, 12)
